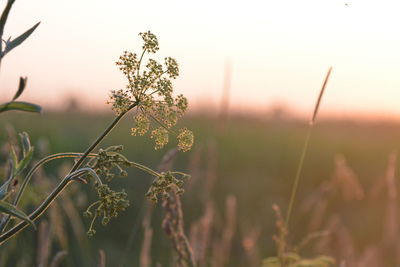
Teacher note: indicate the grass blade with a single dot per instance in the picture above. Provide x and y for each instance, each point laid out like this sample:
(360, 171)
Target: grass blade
(321, 93)
(21, 87)
(305, 148)
(19, 105)
(19, 40)
(7, 208)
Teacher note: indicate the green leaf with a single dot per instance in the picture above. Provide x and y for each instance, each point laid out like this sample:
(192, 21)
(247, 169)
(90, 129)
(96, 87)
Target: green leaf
(4, 16)
(4, 189)
(14, 162)
(26, 143)
(17, 41)
(19, 105)
(7, 208)
(21, 87)
(24, 162)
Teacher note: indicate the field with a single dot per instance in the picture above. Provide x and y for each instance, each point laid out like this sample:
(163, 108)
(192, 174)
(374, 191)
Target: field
(347, 194)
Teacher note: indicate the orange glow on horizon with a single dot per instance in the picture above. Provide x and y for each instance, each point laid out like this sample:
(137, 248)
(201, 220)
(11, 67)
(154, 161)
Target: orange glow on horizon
(279, 51)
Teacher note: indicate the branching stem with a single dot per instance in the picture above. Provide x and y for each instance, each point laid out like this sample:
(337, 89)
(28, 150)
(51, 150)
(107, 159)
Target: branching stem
(30, 174)
(61, 186)
(101, 137)
(144, 168)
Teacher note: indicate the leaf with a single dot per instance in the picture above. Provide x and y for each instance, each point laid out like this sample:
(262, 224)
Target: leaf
(7, 208)
(14, 162)
(26, 143)
(4, 16)
(17, 41)
(24, 162)
(21, 87)
(4, 189)
(19, 105)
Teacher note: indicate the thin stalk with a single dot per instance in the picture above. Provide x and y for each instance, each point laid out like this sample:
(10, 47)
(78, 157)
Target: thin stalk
(297, 177)
(163, 125)
(144, 168)
(140, 62)
(39, 211)
(45, 204)
(54, 194)
(180, 173)
(87, 169)
(305, 148)
(30, 174)
(92, 205)
(3, 20)
(40, 163)
(101, 137)
(93, 220)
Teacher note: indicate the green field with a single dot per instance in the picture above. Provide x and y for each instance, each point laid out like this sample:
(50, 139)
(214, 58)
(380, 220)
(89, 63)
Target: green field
(253, 159)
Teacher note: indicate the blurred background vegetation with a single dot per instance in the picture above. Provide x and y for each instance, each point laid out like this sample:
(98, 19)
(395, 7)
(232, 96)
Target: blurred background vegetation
(240, 167)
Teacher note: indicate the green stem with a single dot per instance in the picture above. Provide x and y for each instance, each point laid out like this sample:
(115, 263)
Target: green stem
(87, 169)
(92, 222)
(101, 137)
(144, 168)
(43, 207)
(40, 163)
(39, 211)
(3, 20)
(180, 173)
(140, 62)
(92, 205)
(53, 195)
(162, 124)
(297, 177)
(30, 174)
(305, 147)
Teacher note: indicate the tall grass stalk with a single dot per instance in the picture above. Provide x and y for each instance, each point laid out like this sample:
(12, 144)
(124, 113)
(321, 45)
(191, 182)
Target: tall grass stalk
(305, 148)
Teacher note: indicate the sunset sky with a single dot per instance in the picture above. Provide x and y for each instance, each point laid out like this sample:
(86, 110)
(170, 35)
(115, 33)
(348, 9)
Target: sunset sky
(279, 51)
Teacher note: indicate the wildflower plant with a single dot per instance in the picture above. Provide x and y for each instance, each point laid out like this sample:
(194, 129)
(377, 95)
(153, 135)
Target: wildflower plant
(150, 90)
(288, 256)
(149, 93)
(109, 205)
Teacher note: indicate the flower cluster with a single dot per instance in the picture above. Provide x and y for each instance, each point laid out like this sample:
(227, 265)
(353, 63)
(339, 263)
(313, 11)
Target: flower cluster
(109, 205)
(151, 91)
(109, 159)
(164, 183)
(185, 139)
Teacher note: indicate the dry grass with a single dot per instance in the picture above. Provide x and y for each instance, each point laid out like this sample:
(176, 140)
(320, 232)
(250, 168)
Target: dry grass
(200, 234)
(222, 247)
(102, 259)
(145, 257)
(173, 225)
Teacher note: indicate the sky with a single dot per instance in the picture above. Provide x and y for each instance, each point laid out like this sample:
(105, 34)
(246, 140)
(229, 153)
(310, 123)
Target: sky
(278, 51)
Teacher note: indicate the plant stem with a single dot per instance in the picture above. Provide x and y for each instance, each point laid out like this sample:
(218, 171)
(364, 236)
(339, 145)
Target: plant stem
(43, 207)
(53, 195)
(101, 137)
(34, 215)
(297, 177)
(145, 169)
(30, 174)
(3, 20)
(305, 148)
(40, 163)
